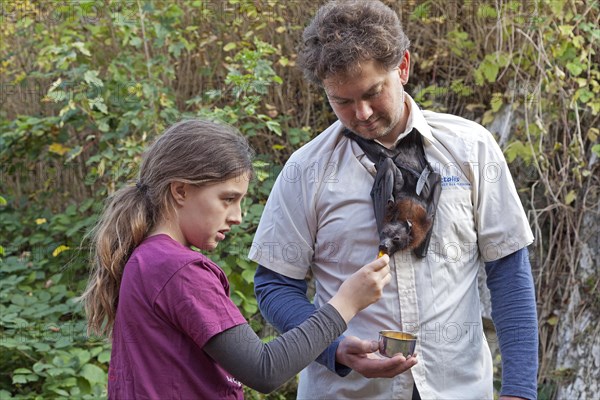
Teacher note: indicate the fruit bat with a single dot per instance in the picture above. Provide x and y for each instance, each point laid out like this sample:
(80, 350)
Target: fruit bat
(405, 193)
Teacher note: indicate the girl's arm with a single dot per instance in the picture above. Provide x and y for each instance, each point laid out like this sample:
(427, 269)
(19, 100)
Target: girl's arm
(265, 367)
(283, 302)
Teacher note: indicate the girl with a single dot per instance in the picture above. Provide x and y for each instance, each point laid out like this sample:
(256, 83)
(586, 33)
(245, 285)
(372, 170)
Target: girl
(175, 331)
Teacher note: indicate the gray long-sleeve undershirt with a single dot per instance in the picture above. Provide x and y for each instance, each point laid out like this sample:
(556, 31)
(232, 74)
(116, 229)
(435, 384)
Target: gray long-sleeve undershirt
(265, 367)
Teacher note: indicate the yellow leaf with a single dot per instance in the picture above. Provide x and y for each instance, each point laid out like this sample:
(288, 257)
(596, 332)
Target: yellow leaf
(571, 196)
(229, 46)
(165, 101)
(553, 320)
(58, 149)
(496, 102)
(284, 61)
(558, 146)
(488, 117)
(40, 221)
(566, 30)
(59, 250)
(593, 134)
(101, 167)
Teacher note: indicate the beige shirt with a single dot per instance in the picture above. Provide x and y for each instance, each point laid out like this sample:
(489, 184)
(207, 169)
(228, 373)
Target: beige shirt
(320, 216)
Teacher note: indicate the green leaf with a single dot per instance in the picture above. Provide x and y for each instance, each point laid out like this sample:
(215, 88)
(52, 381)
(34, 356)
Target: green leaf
(557, 7)
(83, 356)
(91, 77)
(574, 69)
(248, 275)
(22, 371)
(82, 386)
(73, 153)
(98, 102)
(584, 95)
(518, 149)
(104, 357)
(490, 71)
(566, 30)
(136, 41)
(274, 127)
(81, 47)
(39, 367)
(496, 102)
(60, 391)
(3, 201)
(93, 373)
(41, 347)
(19, 379)
(420, 12)
(486, 11)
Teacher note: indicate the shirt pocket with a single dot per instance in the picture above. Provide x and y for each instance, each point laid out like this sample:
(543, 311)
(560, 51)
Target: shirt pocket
(454, 238)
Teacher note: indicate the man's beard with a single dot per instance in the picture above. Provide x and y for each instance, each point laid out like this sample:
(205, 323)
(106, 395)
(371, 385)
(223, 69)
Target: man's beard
(381, 131)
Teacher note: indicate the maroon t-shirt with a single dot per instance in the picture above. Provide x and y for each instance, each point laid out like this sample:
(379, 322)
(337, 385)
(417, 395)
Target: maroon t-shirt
(172, 300)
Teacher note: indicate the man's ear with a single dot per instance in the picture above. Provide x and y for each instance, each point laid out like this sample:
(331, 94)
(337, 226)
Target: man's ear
(404, 68)
(178, 191)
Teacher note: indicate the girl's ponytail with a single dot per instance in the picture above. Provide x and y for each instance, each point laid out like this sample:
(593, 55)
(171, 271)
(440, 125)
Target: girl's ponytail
(126, 220)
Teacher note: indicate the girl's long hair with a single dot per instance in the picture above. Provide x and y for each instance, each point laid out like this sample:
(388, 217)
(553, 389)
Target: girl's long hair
(197, 152)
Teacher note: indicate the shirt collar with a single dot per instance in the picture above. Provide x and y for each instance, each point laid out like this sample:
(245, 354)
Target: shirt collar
(415, 120)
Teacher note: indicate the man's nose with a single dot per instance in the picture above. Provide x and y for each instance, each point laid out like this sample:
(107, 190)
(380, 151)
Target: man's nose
(363, 110)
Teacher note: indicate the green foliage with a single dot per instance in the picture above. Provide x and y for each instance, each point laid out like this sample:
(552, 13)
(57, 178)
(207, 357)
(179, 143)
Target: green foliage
(536, 64)
(106, 89)
(44, 346)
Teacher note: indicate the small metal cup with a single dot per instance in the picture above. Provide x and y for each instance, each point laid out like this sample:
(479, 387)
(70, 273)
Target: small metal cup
(394, 342)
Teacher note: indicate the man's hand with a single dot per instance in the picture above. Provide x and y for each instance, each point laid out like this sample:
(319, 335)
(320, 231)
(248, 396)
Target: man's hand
(359, 355)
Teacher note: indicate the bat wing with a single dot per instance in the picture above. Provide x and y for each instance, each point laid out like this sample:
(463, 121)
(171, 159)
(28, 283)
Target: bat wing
(388, 181)
(431, 193)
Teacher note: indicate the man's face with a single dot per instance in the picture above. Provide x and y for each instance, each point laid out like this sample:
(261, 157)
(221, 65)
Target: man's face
(370, 102)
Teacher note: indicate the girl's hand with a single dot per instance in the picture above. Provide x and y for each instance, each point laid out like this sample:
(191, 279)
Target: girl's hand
(362, 288)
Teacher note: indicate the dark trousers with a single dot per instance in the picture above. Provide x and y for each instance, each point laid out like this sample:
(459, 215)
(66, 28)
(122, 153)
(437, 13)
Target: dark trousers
(415, 395)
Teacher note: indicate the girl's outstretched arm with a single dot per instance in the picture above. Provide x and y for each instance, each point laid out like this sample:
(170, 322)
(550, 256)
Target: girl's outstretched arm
(265, 367)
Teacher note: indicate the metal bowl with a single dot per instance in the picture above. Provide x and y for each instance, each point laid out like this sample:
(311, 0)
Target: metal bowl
(394, 342)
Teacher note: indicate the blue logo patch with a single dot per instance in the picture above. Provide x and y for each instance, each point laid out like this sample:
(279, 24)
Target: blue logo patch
(453, 180)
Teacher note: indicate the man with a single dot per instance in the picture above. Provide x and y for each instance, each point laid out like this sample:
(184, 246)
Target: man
(320, 216)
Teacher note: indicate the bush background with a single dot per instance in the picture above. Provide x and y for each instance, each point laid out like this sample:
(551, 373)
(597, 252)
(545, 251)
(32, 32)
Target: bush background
(87, 84)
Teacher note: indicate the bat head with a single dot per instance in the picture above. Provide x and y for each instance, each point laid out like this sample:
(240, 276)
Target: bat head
(405, 226)
(395, 235)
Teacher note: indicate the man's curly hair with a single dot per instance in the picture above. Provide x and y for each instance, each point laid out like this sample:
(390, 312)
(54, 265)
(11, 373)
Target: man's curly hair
(343, 34)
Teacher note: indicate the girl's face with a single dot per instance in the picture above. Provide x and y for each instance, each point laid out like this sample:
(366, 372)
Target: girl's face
(206, 213)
